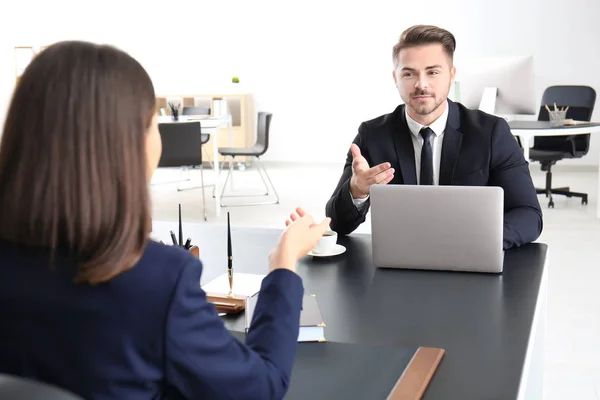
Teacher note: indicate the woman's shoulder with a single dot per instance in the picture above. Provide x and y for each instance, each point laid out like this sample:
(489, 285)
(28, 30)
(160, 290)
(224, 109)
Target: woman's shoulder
(163, 263)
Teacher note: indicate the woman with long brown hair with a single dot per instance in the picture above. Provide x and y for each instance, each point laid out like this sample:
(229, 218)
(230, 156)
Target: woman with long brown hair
(87, 301)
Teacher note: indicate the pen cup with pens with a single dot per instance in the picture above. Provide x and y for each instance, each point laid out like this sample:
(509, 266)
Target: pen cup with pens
(195, 250)
(557, 116)
(174, 111)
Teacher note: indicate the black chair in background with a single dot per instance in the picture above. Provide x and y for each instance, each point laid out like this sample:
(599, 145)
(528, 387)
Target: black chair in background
(256, 151)
(195, 110)
(549, 149)
(17, 388)
(182, 147)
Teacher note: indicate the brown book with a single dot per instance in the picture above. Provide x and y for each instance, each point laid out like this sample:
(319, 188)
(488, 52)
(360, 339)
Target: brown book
(312, 325)
(574, 122)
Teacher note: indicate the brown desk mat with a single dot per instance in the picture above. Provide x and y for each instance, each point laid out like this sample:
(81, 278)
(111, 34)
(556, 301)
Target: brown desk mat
(333, 370)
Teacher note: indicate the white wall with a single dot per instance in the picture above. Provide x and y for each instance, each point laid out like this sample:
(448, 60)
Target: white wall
(7, 65)
(321, 67)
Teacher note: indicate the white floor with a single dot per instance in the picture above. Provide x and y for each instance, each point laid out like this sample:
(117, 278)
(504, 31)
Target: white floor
(572, 367)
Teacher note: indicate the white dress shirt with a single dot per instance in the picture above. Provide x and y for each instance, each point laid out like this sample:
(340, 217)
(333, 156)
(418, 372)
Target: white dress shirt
(438, 126)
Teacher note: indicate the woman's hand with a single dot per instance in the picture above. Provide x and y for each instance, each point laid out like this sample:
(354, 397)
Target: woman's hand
(301, 235)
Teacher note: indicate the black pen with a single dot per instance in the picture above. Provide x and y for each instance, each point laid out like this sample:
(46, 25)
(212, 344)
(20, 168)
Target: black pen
(180, 228)
(229, 259)
(173, 238)
(188, 243)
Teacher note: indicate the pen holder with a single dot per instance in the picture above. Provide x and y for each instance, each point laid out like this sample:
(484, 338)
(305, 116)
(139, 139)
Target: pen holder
(195, 251)
(557, 118)
(174, 111)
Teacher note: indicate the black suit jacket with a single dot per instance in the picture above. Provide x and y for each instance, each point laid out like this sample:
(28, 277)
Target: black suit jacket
(478, 150)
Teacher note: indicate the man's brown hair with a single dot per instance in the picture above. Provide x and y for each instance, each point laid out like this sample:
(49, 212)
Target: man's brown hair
(422, 35)
(73, 170)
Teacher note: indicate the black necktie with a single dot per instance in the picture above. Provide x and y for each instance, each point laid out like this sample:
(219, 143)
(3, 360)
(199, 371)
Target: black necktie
(426, 177)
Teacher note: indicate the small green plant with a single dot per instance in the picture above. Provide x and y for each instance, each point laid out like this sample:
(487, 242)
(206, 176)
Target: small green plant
(235, 79)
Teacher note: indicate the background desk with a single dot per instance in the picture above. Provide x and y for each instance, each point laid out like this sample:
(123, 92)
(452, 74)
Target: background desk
(492, 326)
(527, 130)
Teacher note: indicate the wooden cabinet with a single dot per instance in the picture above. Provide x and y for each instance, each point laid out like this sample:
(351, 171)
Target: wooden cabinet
(240, 106)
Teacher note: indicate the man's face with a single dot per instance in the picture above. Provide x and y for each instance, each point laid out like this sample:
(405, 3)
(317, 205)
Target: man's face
(423, 76)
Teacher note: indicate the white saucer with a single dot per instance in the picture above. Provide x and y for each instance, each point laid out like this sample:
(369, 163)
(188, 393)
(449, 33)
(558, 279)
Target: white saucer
(337, 250)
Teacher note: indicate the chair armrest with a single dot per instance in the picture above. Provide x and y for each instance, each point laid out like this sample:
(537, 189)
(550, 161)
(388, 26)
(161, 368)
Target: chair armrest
(571, 140)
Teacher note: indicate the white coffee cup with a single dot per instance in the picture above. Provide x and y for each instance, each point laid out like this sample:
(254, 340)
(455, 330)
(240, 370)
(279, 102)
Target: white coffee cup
(326, 244)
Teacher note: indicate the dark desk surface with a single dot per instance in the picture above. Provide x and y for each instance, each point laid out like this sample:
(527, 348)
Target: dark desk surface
(482, 321)
(546, 125)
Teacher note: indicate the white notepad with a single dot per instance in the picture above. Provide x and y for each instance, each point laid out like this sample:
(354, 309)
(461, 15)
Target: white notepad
(243, 284)
(312, 325)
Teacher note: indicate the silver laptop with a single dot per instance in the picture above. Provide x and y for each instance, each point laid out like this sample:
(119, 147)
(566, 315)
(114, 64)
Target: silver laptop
(458, 228)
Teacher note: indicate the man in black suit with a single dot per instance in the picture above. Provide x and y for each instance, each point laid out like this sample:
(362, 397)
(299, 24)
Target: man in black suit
(431, 140)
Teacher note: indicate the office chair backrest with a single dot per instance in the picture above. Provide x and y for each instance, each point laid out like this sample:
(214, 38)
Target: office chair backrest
(262, 132)
(17, 388)
(573, 96)
(581, 101)
(195, 111)
(181, 144)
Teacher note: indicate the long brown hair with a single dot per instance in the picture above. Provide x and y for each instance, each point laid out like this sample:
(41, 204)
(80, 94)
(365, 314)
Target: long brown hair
(72, 158)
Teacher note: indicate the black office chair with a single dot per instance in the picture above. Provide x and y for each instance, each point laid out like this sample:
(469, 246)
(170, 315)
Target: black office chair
(550, 149)
(195, 110)
(182, 147)
(17, 388)
(260, 147)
